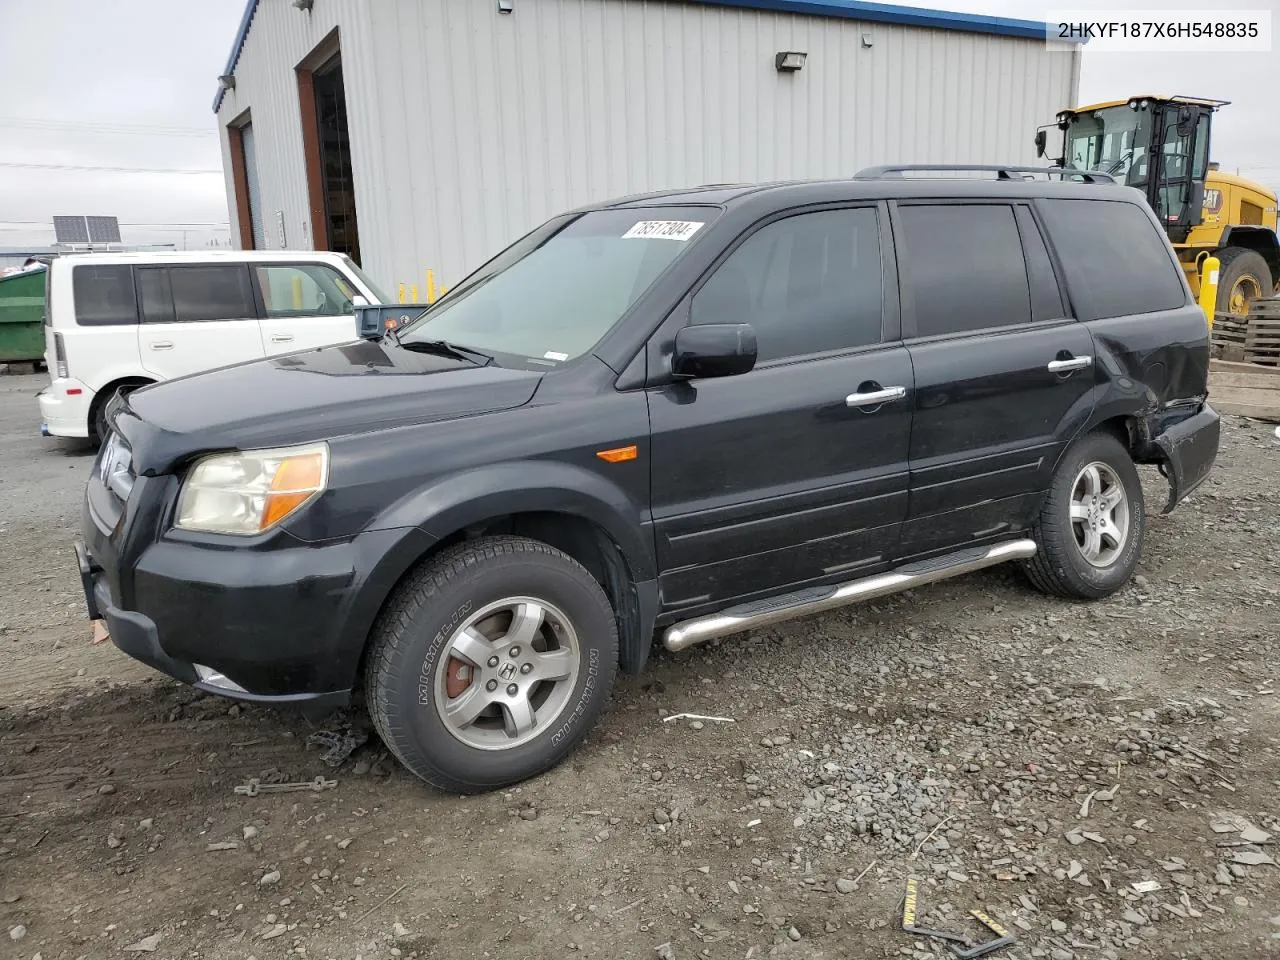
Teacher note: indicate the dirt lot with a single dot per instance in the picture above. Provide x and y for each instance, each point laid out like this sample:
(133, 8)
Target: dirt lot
(1029, 757)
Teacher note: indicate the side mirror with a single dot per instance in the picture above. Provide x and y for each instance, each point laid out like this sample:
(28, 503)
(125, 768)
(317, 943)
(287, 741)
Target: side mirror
(1186, 121)
(714, 350)
(1042, 141)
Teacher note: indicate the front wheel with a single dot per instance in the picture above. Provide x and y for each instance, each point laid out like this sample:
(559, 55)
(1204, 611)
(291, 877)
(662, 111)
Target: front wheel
(491, 663)
(1245, 277)
(1091, 525)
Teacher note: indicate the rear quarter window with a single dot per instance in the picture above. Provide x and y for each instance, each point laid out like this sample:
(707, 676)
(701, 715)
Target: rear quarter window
(1114, 259)
(104, 294)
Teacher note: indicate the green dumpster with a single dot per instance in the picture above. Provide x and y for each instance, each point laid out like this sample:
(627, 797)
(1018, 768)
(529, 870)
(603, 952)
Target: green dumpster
(22, 316)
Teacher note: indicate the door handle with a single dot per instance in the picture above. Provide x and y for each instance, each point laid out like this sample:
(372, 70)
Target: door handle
(281, 337)
(161, 344)
(873, 398)
(1066, 366)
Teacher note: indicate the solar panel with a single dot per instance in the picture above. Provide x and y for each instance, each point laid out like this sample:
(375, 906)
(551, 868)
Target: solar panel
(70, 230)
(103, 229)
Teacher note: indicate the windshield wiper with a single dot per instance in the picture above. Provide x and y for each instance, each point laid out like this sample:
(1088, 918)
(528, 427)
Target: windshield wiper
(445, 349)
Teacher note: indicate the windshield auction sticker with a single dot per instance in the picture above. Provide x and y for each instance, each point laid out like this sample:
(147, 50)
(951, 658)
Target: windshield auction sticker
(680, 230)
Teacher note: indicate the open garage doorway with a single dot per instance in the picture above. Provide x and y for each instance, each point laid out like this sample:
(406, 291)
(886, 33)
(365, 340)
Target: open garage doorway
(330, 182)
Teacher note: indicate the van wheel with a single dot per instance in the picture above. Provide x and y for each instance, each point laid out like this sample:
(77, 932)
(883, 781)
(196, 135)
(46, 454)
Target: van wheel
(491, 663)
(1091, 526)
(98, 418)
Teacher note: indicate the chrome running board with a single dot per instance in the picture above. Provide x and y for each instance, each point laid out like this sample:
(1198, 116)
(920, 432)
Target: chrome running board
(761, 613)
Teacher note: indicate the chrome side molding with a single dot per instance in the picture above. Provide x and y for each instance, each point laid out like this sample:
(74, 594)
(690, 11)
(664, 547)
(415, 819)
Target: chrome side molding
(749, 616)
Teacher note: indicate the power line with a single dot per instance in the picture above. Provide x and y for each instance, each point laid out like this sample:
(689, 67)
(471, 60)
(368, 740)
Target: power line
(90, 126)
(69, 166)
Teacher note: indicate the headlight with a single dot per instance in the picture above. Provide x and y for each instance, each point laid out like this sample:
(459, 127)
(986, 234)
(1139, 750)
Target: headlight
(249, 492)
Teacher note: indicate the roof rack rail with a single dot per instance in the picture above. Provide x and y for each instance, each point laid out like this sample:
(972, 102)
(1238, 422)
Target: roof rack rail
(1002, 171)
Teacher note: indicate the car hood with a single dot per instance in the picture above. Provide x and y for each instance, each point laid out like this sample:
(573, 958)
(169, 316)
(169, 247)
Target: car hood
(311, 395)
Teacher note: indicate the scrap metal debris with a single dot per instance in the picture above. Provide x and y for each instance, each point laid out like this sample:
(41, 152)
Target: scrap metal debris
(255, 786)
(338, 746)
(697, 716)
(963, 952)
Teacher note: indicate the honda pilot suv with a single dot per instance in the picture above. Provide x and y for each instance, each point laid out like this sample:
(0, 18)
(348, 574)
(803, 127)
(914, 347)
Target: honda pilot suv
(684, 414)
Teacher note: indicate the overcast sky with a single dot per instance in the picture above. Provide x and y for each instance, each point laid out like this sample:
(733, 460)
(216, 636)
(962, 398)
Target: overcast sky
(130, 84)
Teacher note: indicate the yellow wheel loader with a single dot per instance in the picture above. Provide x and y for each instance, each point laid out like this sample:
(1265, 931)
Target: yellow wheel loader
(1160, 145)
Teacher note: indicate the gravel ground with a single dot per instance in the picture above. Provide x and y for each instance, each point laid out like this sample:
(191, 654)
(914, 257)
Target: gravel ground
(1101, 778)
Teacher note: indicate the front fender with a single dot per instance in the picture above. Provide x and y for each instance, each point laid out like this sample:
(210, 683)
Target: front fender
(470, 497)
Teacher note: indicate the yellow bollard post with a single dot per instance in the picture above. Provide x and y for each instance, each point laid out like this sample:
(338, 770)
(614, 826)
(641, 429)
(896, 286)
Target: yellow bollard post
(413, 292)
(443, 291)
(1209, 287)
(297, 292)
(402, 293)
(431, 285)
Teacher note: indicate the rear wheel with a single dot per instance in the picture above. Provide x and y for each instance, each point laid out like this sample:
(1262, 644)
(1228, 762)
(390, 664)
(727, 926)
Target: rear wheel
(1243, 277)
(491, 664)
(98, 417)
(1091, 525)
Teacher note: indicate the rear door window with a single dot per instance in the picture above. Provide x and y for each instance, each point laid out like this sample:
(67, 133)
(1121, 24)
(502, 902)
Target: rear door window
(104, 294)
(203, 292)
(964, 266)
(1046, 297)
(1114, 259)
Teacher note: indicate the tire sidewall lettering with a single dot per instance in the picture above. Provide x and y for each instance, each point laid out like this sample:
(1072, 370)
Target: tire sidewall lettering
(426, 672)
(584, 697)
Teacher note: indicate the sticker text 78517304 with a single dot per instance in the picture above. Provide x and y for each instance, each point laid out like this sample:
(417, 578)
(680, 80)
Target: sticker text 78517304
(680, 230)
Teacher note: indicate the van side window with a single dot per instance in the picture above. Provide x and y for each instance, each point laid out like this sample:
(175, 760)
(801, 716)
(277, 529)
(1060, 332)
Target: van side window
(1046, 297)
(155, 301)
(964, 266)
(211, 292)
(303, 290)
(104, 294)
(1115, 260)
(808, 284)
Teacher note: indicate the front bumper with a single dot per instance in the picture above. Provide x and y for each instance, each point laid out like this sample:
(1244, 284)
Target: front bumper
(138, 636)
(1187, 451)
(275, 621)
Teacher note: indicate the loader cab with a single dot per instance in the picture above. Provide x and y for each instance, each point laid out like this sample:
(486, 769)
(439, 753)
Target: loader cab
(1159, 145)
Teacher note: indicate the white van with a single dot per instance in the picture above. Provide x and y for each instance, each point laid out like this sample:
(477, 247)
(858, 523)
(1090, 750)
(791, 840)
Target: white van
(118, 321)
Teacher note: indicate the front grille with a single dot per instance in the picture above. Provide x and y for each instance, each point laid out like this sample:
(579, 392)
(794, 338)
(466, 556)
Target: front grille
(115, 467)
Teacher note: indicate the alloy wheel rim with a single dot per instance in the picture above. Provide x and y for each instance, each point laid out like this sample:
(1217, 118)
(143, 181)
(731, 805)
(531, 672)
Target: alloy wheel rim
(507, 673)
(1099, 514)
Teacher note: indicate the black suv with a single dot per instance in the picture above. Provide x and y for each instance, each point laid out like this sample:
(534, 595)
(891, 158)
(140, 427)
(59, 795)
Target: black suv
(690, 413)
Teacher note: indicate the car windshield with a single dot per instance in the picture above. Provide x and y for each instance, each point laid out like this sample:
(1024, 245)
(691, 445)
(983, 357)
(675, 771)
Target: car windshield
(1110, 140)
(551, 298)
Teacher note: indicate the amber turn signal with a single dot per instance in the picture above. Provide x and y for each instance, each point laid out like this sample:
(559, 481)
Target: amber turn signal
(618, 454)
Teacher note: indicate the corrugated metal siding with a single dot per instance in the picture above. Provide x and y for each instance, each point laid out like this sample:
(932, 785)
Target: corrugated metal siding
(469, 127)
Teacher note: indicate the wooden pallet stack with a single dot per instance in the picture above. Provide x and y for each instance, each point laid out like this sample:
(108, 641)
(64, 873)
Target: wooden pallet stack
(1251, 339)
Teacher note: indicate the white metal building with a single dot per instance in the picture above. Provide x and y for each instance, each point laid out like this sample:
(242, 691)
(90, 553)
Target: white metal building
(427, 134)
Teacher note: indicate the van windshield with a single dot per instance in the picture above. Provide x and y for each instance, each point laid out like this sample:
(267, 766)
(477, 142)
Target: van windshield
(557, 298)
(367, 281)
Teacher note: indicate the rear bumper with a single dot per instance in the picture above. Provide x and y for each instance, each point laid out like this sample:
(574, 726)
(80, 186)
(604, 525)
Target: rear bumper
(63, 414)
(1188, 450)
